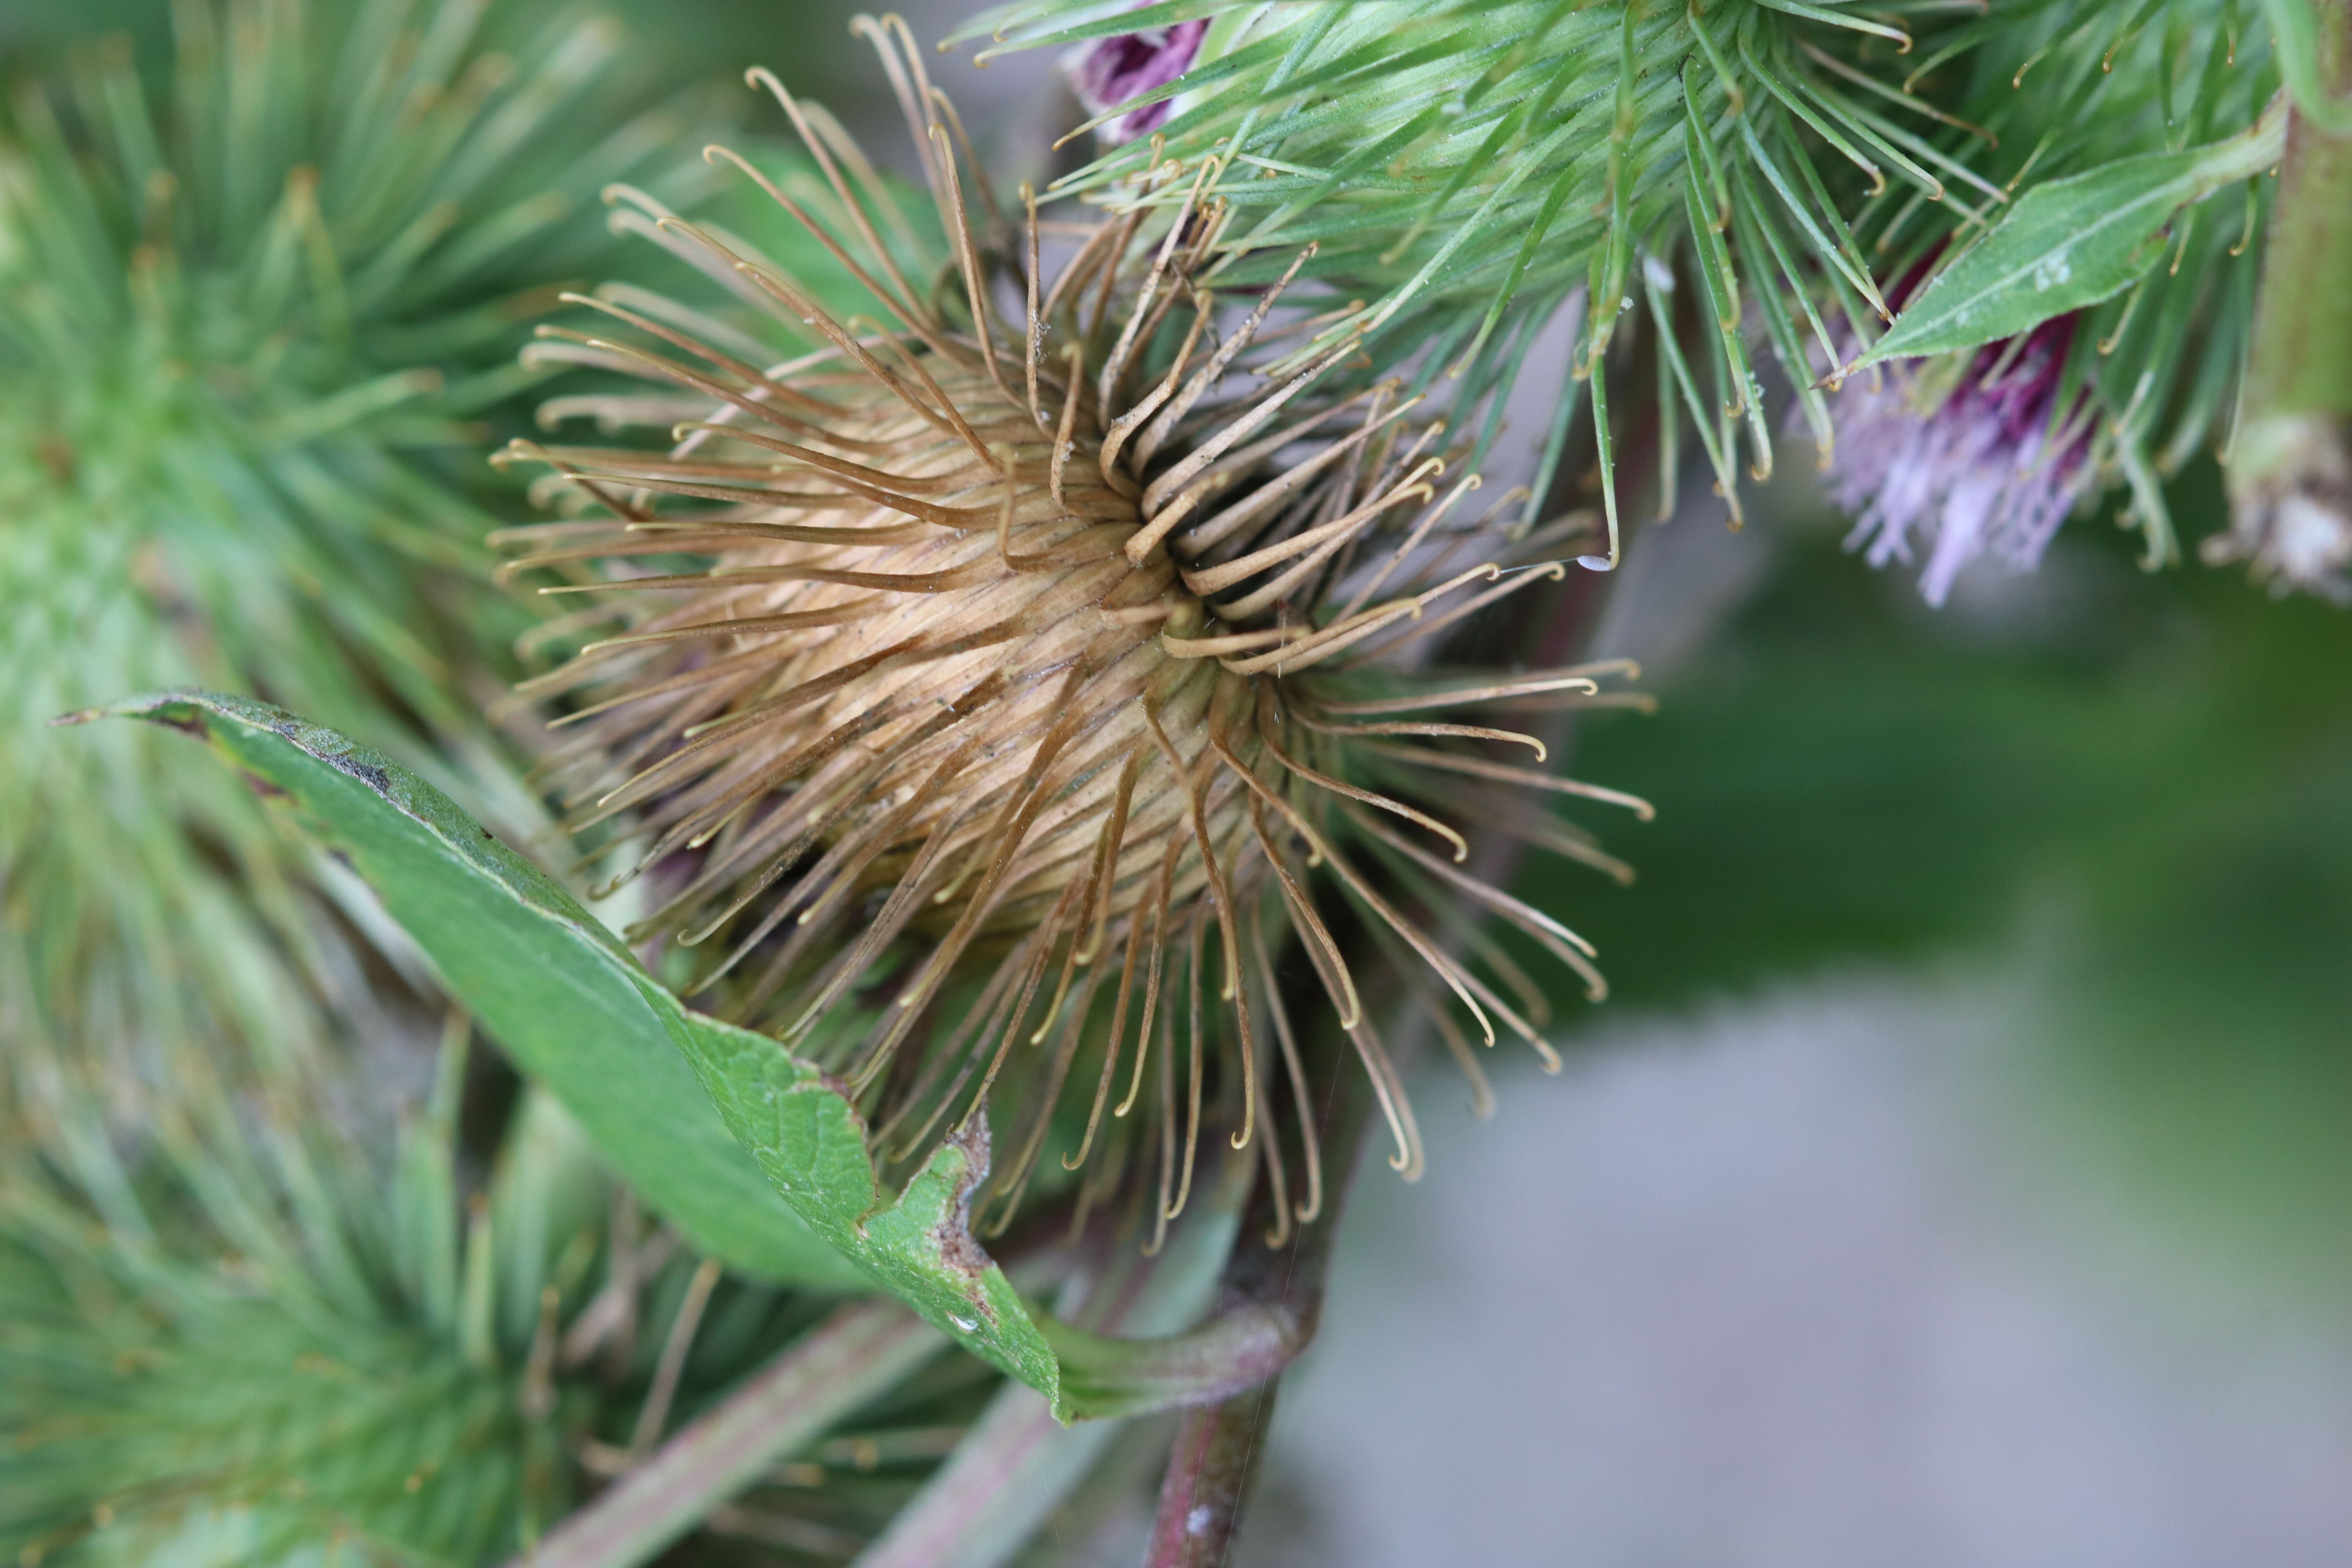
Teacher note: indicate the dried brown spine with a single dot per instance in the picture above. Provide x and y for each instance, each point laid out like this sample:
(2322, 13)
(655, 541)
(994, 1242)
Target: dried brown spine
(959, 698)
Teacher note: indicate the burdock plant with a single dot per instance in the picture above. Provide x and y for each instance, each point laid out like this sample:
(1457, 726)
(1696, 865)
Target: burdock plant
(1053, 708)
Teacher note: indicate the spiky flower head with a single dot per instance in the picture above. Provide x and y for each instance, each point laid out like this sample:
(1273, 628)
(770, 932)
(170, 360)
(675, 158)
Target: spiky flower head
(241, 323)
(1023, 676)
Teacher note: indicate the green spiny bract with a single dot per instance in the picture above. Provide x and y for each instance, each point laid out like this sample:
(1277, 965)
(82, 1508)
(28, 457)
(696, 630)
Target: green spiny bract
(1465, 168)
(242, 323)
(2069, 88)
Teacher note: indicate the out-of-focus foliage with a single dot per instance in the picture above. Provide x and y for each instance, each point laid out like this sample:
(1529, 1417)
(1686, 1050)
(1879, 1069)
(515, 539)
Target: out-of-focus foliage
(1898, 783)
(670, 40)
(2148, 780)
(265, 1325)
(252, 314)
(259, 310)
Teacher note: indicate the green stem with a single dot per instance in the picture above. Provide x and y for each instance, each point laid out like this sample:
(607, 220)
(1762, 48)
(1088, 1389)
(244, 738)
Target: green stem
(1269, 1300)
(2290, 468)
(860, 1351)
(1014, 1467)
(1240, 1347)
(1273, 1301)
(2303, 29)
(2303, 331)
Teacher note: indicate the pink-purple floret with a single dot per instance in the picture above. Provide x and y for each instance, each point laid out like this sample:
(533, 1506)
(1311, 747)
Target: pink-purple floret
(1110, 71)
(1974, 477)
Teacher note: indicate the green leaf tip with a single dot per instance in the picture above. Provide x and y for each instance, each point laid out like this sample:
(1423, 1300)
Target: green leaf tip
(2070, 244)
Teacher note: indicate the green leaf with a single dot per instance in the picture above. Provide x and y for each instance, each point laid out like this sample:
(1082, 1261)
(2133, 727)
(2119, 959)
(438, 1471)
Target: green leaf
(2070, 244)
(575, 1009)
(563, 995)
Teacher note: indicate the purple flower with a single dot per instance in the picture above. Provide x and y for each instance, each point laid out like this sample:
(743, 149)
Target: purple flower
(1107, 72)
(1985, 471)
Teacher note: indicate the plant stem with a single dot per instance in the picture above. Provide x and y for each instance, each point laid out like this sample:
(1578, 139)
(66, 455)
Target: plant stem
(1217, 1452)
(860, 1350)
(1219, 1447)
(1016, 1465)
(2290, 471)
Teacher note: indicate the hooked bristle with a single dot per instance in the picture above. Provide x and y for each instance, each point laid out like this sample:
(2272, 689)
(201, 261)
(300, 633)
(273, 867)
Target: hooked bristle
(957, 673)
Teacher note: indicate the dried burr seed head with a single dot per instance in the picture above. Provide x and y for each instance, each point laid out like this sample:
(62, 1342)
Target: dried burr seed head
(1008, 691)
